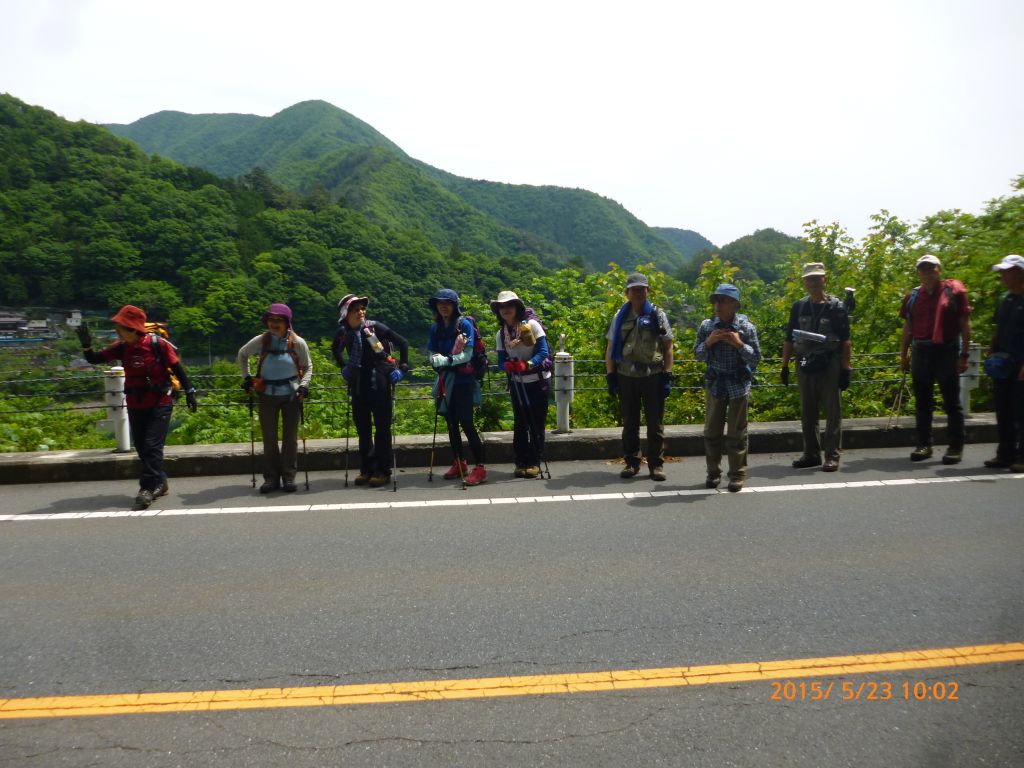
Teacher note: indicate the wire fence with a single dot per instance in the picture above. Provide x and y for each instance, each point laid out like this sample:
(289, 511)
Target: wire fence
(85, 391)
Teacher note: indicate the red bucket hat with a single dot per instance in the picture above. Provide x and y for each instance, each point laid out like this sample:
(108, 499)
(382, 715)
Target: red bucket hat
(131, 317)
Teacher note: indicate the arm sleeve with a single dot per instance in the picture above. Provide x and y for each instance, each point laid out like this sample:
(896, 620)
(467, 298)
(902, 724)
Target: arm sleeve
(247, 350)
(540, 352)
(794, 320)
(750, 352)
(179, 371)
(302, 352)
(841, 322)
(395, 340)
(467, 352)
(338, 347)
(499, 347)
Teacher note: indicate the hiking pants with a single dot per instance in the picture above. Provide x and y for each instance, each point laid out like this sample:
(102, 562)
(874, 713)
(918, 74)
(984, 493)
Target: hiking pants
(649, 392)
(719, 414)
(931, 363)
(819, 391)
(460, 414)
(373, 410)
(529, 417)
(1008, 397)
(281, 463)
(149, 432)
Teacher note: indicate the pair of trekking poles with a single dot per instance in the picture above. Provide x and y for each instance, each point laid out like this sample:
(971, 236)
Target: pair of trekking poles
(252, 440)
(520, 393)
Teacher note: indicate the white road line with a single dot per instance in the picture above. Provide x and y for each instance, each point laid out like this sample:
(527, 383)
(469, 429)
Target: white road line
(463, 502)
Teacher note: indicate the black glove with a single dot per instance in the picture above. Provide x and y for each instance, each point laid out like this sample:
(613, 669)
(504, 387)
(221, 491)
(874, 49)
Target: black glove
(613, 383)
(666, 384)
(844, 378)
(190, 399)
(784, 376)
(302, 392)
(247, 385)
(83, 335)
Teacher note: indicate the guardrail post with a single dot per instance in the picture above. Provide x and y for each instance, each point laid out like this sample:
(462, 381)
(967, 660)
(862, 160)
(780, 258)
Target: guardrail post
(565, 376)
(970, 378)
(117, 413)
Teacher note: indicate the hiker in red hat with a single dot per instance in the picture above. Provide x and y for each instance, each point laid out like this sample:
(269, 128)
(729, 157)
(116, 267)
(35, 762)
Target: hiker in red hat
(151, 365)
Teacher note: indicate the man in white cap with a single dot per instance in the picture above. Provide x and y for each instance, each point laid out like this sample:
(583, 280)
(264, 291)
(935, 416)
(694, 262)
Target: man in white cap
(819, 333)
(1005, 364)
(937, 327)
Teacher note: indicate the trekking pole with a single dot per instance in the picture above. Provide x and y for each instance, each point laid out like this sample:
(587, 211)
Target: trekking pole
(524, 401)
(348, 418)
(394, 429)
(252, 442)
(897, 404)
(433, 442)
(305, 456)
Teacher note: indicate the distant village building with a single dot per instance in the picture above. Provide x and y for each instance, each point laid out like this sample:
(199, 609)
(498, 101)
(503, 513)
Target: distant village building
(13, 323)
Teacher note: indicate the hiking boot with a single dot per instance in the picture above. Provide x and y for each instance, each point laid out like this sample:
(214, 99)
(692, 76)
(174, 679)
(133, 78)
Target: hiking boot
(921, 453)
(143, 499)
(380, 479)
(477, 476)
(520, 472)
(629, 471)
(807, 461)
(362, 479)
(713, 482)
(657, 473)
(269, 486)
(161, 490)
(831, 464)
(735, 486)
(454, 472)
(997, 463)
(953, 455)
(531, 472)
(288, 486)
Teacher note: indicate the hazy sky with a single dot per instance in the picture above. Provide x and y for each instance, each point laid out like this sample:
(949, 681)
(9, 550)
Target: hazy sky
(722, 117)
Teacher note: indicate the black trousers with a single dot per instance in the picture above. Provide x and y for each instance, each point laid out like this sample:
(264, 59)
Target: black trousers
(529, 416)
(932, 364)
(372, 413)
(1008, 395)
(460, 414)
(149, 433)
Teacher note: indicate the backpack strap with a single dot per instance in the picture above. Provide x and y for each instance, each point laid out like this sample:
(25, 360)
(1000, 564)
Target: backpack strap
(265, 350)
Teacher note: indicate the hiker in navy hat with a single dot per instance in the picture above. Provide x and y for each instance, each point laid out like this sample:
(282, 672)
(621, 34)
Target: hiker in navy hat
(727, 342)
(283, 373)
(1005, 365)
(365, 350)
(456, 390)
(149, 362)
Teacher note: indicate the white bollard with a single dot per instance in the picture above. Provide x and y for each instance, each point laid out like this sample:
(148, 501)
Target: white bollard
(970, 378)
(117, 413)
(565, 377)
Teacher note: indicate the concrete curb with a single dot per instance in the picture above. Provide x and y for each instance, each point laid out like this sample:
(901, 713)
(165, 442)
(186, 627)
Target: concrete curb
(414, 450)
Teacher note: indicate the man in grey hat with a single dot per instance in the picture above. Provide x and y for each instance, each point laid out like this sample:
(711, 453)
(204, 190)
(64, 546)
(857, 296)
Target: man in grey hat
(638, 367)
(937, 327)
(819, 333)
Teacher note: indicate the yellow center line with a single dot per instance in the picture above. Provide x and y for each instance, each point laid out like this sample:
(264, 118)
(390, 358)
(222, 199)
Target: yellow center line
(527, 685)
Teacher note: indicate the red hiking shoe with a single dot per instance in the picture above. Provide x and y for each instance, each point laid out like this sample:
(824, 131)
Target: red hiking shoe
(453, 471)
(477, 476)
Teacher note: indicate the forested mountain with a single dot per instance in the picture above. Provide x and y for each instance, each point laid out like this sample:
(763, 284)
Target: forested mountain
(686, 241)
(90, 220)
(314, 144)
(763, 255)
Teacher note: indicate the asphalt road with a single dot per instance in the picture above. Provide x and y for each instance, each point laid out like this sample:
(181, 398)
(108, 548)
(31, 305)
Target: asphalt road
(544, 579)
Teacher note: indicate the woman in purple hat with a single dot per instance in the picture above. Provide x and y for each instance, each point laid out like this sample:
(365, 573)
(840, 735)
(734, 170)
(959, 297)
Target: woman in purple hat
(283, 372)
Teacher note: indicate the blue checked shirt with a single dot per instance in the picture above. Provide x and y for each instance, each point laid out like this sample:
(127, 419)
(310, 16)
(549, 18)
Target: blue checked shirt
(728, 368)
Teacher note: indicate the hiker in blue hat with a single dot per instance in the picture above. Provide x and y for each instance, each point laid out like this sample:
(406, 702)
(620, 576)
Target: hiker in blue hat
(453, 337)
(727, 342)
